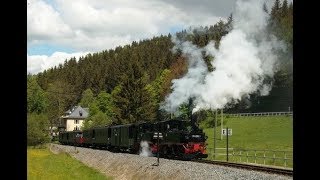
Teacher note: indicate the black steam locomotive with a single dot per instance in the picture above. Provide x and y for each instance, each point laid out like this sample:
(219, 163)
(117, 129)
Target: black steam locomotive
(177, 138)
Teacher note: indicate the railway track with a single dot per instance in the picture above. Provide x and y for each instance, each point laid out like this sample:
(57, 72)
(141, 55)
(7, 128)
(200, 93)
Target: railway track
(268, 169)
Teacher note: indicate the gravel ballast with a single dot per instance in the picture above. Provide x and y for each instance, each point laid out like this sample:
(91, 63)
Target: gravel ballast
(131, 166)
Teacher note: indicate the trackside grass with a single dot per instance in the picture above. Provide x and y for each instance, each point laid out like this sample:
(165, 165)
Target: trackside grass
(259, 133)
(43, 164)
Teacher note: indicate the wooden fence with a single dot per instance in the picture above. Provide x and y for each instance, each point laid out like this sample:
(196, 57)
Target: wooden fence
(255, 156)
(290, 113)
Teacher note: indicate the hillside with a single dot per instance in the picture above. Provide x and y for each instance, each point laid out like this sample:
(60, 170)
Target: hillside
(270, 133)
(127, 84)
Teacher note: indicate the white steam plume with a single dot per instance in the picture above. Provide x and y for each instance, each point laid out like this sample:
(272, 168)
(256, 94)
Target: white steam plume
(246, 56)
(145, 150)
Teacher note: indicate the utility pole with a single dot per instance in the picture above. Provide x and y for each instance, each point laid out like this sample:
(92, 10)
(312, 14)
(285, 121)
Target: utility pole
(215, 135)
(158, 147)
(227, 144)
(171, 114)
(221, 123)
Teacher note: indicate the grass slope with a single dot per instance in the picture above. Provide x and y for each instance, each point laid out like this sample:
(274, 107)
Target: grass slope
(42, 164)
(261, 133)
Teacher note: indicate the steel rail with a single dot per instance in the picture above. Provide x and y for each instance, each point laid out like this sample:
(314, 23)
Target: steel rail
(268, 169)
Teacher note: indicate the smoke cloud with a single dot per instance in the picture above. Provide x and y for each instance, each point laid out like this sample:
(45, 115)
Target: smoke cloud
(145, 150)
(244, 63)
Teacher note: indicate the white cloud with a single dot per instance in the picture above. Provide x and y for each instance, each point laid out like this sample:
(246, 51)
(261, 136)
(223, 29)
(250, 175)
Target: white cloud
(44, 23)
(38, 63)
(91, 25)
(95, 25)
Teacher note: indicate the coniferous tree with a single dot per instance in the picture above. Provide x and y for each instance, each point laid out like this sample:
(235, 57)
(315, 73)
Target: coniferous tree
(60, 96)
(275, 9)
(284, 8)
(110, 70)
(265, 8)
(229, 25)
(132, 102)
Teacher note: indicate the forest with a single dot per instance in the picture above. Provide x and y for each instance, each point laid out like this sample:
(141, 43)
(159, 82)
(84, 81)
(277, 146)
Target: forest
(127, 84)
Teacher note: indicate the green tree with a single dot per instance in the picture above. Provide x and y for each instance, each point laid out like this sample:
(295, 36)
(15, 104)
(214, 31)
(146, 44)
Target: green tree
(36, 100)
(120, 104)
(87, 98)
(229, 25)
(101, 111)
(284, 8)
(104, 103)
(93, 108)
(156, 88)
(99, 119)
(60, 96)
(37, 132)
(275, 9)
(132, 101)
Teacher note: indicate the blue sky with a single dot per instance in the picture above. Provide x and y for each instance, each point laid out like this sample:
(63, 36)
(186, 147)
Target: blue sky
(48, 49)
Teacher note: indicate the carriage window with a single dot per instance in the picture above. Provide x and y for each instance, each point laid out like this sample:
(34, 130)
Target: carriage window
(109, 133)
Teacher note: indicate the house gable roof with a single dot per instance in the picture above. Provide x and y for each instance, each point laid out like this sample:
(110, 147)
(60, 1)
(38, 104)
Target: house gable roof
(77, 112)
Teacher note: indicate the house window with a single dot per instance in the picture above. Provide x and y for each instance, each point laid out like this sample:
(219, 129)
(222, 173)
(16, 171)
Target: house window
(76, 121)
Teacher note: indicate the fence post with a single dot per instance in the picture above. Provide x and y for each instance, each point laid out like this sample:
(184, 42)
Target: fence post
(264, 157)
(274, 158)
(285, 159)
(247, 156)
(255, 156)
(267, 154)
(233, 155)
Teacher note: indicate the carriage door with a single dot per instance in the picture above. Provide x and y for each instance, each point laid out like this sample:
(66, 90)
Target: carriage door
(116, 136)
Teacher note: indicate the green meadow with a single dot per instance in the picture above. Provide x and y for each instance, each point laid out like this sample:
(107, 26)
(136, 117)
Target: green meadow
(43, 164)
(270, 133)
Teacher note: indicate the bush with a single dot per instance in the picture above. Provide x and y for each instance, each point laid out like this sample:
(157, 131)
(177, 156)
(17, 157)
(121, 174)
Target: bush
(37, 132)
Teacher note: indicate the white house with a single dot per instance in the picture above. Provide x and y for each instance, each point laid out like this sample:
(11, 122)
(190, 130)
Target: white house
(73, 119)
